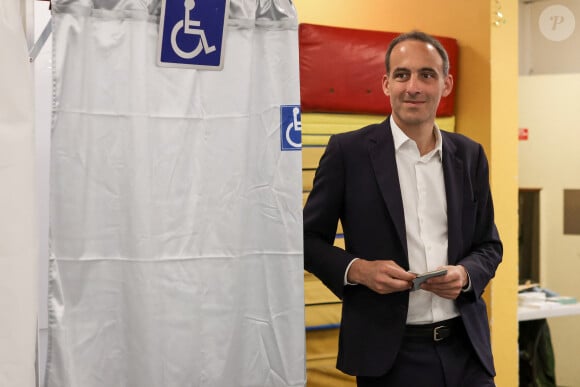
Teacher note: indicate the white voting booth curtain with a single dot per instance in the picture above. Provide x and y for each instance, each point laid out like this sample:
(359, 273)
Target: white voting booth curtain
(18, 245)
(175, 217)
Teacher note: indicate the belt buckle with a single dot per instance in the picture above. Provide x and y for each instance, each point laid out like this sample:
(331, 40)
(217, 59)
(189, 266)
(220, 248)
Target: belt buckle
(436, 334)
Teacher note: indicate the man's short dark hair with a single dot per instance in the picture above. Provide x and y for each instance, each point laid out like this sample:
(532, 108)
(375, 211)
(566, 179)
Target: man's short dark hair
(423, 37)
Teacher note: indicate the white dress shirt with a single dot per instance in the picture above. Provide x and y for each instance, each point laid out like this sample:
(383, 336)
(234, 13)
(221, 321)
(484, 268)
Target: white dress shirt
(425, 208)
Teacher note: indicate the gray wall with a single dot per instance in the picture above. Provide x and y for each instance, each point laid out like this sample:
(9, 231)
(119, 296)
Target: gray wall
(549, 36)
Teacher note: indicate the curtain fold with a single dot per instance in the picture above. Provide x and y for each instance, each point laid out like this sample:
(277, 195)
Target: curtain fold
(176, 221)
(18, 219)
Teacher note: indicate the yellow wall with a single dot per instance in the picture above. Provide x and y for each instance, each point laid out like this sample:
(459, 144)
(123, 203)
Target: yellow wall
(486, 111)
(504, 180)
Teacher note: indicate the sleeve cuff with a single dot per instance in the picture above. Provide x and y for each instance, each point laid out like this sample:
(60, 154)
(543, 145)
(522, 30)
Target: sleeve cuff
(346, 273)
(467, 287)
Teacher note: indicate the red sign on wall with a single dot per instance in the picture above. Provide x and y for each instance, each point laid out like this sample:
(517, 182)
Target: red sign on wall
(522, 134)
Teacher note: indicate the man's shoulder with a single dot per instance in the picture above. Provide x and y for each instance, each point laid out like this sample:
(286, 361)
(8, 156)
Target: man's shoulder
(459, 142)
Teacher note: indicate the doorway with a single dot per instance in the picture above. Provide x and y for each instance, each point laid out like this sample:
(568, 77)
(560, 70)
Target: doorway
(529, 235)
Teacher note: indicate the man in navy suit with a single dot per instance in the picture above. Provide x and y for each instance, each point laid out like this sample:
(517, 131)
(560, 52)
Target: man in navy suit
(411, 198)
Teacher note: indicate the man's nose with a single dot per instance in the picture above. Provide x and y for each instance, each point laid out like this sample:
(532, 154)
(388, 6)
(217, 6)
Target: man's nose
(413, 85)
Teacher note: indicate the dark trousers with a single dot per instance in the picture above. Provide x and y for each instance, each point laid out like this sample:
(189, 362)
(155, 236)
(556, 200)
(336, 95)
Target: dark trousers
(422, 362)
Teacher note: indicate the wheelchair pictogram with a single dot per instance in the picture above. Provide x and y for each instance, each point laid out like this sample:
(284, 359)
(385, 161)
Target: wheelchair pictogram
(188, 27)
(291, 127)
(296, 125)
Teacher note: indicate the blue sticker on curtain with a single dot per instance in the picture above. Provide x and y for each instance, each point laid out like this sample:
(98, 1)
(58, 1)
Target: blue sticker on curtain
(191, 33)
(290, 127)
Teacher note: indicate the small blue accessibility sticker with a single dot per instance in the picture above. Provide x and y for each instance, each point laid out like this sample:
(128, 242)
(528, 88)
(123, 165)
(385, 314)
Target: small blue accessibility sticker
(290, 127)
(191, 33)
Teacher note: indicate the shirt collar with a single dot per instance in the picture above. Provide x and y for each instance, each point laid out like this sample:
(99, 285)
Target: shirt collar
(399, 137)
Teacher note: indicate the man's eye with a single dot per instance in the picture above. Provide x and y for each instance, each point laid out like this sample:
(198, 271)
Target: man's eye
(400, 75)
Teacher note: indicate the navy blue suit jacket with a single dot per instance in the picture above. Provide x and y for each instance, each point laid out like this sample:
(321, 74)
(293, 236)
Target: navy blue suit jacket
(357, 182)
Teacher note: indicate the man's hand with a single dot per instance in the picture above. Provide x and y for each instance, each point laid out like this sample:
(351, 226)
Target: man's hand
(381, 276)
(449, 285)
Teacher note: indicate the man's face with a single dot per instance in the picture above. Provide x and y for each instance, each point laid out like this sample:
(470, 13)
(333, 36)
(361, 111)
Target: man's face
(416, 83)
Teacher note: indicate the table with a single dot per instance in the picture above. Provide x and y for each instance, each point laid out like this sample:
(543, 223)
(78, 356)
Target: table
(546, 310)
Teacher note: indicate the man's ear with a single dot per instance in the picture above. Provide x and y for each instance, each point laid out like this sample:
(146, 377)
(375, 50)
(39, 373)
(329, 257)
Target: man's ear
(447, 85)
(386, 85)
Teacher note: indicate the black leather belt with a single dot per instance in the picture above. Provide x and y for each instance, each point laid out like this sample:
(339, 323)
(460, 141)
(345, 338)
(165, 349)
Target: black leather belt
(434, 332)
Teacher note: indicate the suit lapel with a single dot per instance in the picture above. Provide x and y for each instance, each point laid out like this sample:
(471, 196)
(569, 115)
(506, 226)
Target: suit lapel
(382, 155)
(454, 176)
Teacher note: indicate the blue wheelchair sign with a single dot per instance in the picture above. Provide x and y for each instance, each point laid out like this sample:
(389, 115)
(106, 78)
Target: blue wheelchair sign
(290, 127)
(191, 33)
